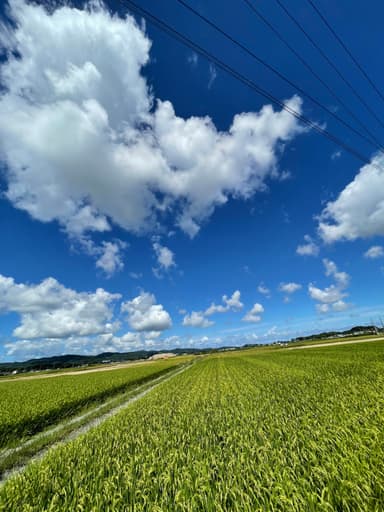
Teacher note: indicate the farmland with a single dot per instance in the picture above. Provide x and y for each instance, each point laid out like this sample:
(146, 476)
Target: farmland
(241, 431)
(29, 406)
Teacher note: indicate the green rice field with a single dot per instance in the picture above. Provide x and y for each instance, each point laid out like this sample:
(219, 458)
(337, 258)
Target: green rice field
(29, 406)
(252, 430)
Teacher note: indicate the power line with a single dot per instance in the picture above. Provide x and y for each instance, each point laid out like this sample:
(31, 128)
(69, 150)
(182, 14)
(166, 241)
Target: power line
(329, 61)
(309, 68)
(373, 142)
(344, 46)
(249, 83)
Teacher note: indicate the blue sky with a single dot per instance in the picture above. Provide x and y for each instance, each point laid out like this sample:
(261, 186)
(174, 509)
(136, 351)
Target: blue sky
(150, 200)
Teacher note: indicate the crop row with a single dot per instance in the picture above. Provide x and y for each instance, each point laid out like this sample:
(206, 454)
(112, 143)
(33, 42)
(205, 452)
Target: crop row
(28, 406)
(300, 430)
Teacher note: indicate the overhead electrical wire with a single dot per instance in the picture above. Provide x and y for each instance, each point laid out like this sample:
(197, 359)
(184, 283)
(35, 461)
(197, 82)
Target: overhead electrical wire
(249, 83)
(345, 47)
(330, 62)
(309, 68)
(261, 61)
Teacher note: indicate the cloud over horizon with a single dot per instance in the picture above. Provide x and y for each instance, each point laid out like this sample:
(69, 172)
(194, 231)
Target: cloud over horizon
(358, 212)
(85, 142)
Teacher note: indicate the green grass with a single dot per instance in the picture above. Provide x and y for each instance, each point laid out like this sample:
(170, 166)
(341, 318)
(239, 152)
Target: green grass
(278, 431)
(30, 406)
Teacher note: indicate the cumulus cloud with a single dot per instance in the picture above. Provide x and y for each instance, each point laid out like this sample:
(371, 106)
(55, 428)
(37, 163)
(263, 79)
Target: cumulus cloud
(110, 260)
(51, 310)
(263, 290)
(196, 319)
(57, 320)
(374, 252)
(165, 259)
(234, 301)
(341, 278)
(331, 297)
(230, 303)
(358, 212)
(145, 315)
(340, 305)
(85, 144)
(107, 342)
(309, 248)
(327, 295)
(165, 256)
(254, 314)
(289, 287)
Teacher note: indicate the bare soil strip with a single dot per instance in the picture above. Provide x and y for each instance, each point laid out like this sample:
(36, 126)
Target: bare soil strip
(84, 427)
(333, 343)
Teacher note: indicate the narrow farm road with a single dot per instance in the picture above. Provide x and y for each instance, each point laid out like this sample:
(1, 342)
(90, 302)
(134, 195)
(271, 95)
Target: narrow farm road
(84, 427)
(333, 343)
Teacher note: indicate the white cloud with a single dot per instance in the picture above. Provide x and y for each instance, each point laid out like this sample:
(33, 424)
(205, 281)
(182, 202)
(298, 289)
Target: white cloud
(135, 275)
(165, 259)
(331, 297)
(145, 315)
(230, 303)
(110, 260)
(341, 278)
(358, 212)
(263, 289)
(336, 154)
(108, 255)
(322, 308)
(84, 143)
(215, 308)
(234, 301)
(310, 248)
(376, 251)
(212, 75)
(51, 310)
(289, 287)
(196, 319)
(327, 295)
(193, 59)
(340, 305)
(253, 315)
(24, 349)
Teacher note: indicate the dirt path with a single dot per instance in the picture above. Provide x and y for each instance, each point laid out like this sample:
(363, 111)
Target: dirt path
(78, 372)
(333, 343)
(83, 428)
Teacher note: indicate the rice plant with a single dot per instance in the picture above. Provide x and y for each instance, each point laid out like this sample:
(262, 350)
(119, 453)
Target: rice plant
(248, 431)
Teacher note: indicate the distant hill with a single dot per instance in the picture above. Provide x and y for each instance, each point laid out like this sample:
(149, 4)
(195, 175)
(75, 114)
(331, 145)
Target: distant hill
(359, 330)
(76, 361)
(72, 360)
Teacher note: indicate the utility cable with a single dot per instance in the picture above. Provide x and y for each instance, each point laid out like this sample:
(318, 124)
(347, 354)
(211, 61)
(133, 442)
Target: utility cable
(310, 69)
(344, 46)
(372, 141)
(329, 61)
(249, 83)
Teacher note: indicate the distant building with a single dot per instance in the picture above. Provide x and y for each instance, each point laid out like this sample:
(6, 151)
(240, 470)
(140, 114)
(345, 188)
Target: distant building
(165, 355)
